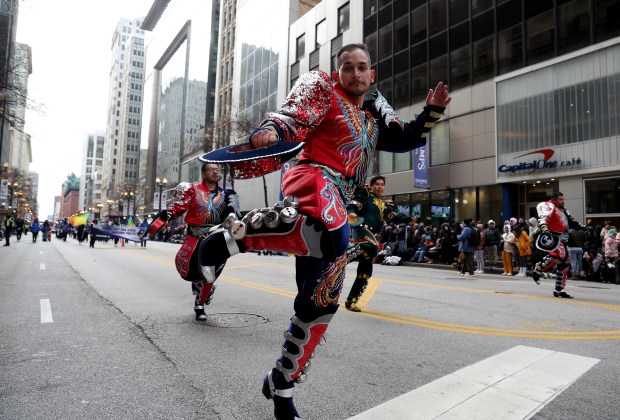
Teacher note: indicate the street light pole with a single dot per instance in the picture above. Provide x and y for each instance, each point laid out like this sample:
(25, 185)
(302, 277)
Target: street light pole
(161, 184)
(128, 196)
(98, 213)
(110, 202)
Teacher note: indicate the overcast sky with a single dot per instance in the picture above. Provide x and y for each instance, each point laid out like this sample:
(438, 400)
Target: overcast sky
(70, 41)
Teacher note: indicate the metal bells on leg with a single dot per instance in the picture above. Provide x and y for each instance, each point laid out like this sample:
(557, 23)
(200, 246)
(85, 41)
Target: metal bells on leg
(284, 211)
(353, 252)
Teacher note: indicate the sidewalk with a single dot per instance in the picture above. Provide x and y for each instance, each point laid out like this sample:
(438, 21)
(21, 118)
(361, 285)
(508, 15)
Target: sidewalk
(495, 271)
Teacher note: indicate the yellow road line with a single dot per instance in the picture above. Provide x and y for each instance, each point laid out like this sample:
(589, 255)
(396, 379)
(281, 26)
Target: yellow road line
(551, 335)
(436, 325)
(609, 306)
(259, 286)
(373, 286)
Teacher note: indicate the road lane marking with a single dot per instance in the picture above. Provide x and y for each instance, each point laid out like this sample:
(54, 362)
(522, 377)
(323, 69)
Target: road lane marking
(515, 384)
(609, 306)
(373, 286)
(442, 326)
(496, 332)
(259, 286)
(42, 266)
(46, 311)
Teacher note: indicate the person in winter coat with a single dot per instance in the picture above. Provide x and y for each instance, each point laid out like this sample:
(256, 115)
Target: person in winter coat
(446, 253)
(533, 226)
(492, 237)
(45, 230)
(466, 248)
(508, 240)
(611, 251)
(35, 228)
(524, 247)
(479, 252)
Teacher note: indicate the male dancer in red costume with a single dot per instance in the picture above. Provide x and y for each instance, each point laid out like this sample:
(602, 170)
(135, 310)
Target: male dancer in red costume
(207, 205)
(554, 222)
(341, 133)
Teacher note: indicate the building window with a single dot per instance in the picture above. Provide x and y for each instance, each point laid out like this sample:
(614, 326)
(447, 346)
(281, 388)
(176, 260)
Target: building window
(438, 16)
(484, 59)
(343, 18)
(601, 196)
(459, 68)
(321, 34)
(540, 38)
(573, 26)
(371, 44)
(418, 25)
(459, 11)
(401, 89)
(370, 7)
(419, 82)
(401, 33)
(301, 47)
(385, 42)
(605, 25)
(510, 49)
(439, 70)
(385, 87)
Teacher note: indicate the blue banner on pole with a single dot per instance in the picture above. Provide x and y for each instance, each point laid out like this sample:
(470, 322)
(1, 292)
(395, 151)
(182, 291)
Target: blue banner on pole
(420, 168)
(130, 233)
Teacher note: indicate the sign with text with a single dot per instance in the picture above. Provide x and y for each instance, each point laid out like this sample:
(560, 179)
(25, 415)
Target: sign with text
(420, 168)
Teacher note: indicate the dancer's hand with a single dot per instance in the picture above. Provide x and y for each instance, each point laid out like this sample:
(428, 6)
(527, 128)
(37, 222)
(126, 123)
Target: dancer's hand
(439, 96)
(263, 138)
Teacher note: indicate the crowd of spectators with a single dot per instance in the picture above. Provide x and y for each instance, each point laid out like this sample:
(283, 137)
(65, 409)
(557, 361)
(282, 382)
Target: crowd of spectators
(594, 252)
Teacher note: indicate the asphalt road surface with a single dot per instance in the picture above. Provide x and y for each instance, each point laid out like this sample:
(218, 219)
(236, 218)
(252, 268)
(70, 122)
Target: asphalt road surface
(109, 333)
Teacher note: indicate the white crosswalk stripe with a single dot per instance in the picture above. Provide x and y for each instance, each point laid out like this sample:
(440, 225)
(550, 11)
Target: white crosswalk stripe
(515, 384)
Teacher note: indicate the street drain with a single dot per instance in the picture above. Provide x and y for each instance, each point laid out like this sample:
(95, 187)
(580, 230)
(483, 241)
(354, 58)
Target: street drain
(504, 293)
(234, 320)
(594, 287)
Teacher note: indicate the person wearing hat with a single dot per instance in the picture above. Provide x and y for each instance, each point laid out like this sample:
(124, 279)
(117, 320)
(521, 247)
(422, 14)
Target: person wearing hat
(492, 238)
(554, 222)
(205, 204)
(340, 131)
(369, 204)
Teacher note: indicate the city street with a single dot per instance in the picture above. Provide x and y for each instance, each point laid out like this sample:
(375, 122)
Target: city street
(110, 333)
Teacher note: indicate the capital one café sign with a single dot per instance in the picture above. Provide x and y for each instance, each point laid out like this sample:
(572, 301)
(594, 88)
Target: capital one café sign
(536, 160)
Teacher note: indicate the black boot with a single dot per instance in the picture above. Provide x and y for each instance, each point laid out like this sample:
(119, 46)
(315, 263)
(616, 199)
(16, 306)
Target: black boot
(562, 294)
(200, 313)
(276, 388)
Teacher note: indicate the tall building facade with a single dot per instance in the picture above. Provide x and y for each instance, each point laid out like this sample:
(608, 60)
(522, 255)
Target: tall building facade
(252, 78)
(20, 155)
(92, 171)
(179, 90)
(121, 158)
(534, 108)
(8, 24)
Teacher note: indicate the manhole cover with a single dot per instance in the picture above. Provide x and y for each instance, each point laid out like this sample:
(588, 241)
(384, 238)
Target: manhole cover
(504, 293)
(232, 320)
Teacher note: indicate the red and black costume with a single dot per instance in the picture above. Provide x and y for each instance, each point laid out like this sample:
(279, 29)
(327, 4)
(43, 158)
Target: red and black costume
(203, 209)
(557, 221)
(340, 140)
